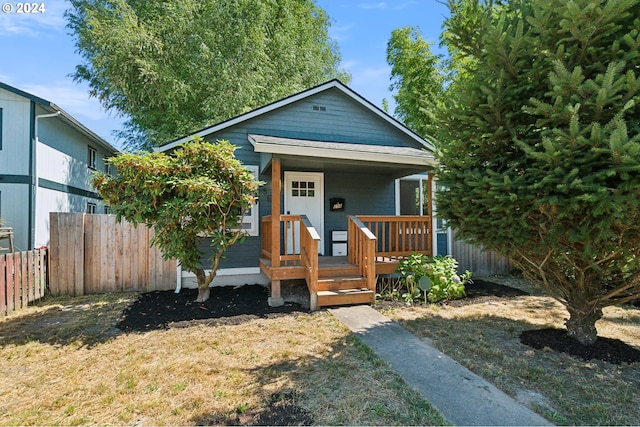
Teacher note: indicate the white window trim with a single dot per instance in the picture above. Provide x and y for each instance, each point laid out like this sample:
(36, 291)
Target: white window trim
(434, 219)
(251, 223)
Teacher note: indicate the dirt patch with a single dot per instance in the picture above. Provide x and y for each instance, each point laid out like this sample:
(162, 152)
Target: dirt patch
(227, 305)
(280, 410)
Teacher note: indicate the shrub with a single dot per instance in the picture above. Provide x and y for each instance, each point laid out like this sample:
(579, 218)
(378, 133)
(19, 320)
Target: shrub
(443, 276)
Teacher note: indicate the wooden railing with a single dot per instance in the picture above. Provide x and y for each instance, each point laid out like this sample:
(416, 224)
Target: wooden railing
(400, 236)
(362, 250)
(309, 242)
(266, 236)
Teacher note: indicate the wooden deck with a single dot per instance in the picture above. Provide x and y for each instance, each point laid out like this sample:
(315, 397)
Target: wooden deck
(373, 249)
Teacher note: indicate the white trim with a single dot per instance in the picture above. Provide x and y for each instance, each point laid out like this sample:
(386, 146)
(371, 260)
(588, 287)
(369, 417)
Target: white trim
(225, 272)
(318, 228)
(344, 152)
(254, 218)
(295, 98)
(434, 217)
(227, 277)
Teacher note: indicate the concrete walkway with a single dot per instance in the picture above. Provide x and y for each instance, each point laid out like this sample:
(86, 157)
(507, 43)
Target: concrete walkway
(461, 396)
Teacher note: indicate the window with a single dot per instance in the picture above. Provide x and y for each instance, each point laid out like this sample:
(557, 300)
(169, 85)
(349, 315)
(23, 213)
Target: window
(414, 196)
(107, 167)
(0, 128)
(251, 220)
(91, 161)
(106, 210)
(303, 189)
(91, 208)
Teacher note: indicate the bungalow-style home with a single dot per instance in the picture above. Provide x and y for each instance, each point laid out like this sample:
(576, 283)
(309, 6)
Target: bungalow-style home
(46, 161)
(348, 191)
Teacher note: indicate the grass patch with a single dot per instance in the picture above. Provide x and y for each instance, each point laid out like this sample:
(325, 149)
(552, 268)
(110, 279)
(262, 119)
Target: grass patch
(63, 363)
(568, 391)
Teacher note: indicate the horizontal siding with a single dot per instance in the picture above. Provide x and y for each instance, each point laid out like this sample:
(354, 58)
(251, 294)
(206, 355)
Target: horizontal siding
(245, 254)
(343, 121)
(364, 194)
(16, 134)
(62, 168)
(68, 141)
(56, 201)
(14, 206)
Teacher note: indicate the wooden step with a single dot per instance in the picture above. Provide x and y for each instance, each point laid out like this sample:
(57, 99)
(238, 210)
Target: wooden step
(341, 283)
(338, 270)
(346, 297)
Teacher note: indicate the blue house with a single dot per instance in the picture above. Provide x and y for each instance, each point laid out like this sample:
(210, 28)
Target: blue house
(348, 192)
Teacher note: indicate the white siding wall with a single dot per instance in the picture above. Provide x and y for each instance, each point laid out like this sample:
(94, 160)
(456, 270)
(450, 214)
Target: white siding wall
(60, 167)
(57, 201)
(14, 206)
(14, 156)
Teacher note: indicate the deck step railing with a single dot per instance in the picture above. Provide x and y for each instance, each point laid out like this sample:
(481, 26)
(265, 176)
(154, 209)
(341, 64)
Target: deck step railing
(361, 250)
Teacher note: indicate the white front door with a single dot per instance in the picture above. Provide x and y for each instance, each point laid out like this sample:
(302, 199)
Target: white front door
(304, 195)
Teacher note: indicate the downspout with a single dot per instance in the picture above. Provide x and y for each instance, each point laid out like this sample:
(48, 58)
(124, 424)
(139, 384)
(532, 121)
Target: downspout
(35, 167)
(178, 278)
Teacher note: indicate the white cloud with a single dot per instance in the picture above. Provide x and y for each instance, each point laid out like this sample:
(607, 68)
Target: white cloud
(405, 5)
(379, 5)
(33, 24)
(71, 98)
(372, 81)
(340, 33)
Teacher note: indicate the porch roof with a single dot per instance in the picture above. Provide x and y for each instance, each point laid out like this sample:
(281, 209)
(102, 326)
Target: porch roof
(381, 155)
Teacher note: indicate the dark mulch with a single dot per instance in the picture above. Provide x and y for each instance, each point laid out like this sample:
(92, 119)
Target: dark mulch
(483, 291)
(606, 349)
(226, 305)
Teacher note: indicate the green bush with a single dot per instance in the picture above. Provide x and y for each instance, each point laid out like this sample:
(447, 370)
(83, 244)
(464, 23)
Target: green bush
(443, 276)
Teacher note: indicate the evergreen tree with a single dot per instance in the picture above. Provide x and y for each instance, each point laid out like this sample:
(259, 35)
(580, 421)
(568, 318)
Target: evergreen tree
(541, 145)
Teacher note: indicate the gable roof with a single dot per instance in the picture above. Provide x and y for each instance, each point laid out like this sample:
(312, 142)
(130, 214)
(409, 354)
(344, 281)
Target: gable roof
(53, 108)
(295, 98)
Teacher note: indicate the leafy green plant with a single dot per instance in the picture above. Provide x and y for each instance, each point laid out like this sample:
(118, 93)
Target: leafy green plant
(444, 281)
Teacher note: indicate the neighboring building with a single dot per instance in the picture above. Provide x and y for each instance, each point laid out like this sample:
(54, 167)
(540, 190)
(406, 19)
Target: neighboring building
(46, 161)
(332, 156)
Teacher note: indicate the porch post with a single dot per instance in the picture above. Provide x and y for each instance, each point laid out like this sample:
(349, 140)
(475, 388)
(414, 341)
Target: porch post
(430, 211)
(276, 298)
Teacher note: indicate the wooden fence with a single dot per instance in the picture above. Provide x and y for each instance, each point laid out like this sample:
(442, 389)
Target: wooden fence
(92, 253)
(478, 260)
(22, 279)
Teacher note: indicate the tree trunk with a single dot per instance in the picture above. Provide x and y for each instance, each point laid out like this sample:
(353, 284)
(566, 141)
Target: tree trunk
(203, 294)
(203, 286)
(581, 323)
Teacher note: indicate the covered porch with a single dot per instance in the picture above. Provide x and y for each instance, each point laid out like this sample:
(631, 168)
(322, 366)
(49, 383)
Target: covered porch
(290, 243)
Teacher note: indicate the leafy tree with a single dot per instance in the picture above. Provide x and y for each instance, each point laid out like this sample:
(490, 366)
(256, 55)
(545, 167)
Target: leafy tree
(416, 75)
(200, 190)
(541, 145)
(172, 67)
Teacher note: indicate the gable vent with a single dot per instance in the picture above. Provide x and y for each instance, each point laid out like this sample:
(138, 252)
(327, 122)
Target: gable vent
(319, 108)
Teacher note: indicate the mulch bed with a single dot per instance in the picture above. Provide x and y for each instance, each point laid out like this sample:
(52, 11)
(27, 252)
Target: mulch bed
(234, 305)
(226, 305)
(606, 349)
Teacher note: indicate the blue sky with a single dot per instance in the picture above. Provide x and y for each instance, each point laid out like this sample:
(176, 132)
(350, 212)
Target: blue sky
(37, 53)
